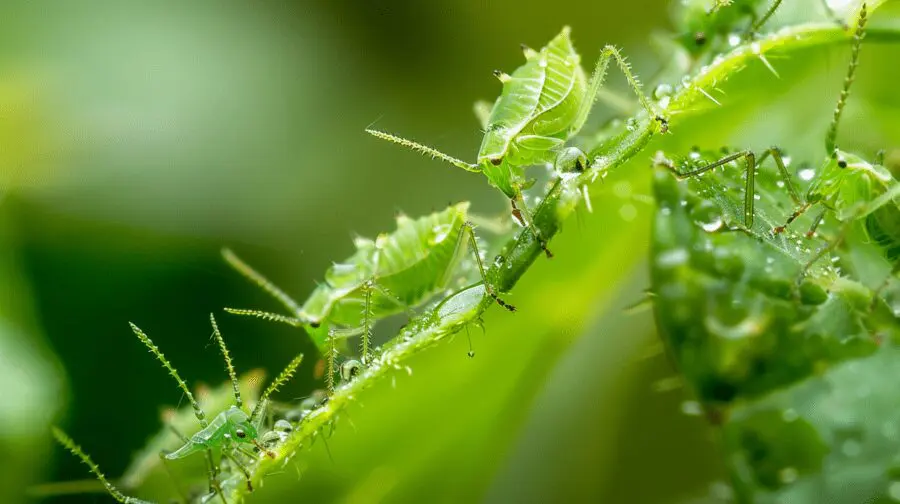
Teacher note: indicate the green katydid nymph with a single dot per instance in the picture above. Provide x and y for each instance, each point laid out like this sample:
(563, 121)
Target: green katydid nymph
(544, 104)
(233, 432)
(385, 276)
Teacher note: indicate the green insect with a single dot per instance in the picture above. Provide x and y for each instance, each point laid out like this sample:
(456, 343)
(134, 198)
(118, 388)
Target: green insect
(385, 276)
(233, 432)
(544, 104)
(846, 186)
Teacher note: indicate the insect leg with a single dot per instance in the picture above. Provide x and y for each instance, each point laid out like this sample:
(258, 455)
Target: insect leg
(749, 188)
(425, 150)
(782, 170)
(237, 463)
(597, 78)
(329, 360)
(765, 17)
(469, 230)
(816, 222)
(228, 364)
(211, 470)
(367, 320)
(76, 450)
(828, 248)
(521, 214)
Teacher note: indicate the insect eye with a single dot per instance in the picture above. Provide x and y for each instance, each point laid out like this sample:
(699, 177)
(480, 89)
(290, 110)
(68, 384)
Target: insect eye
(496, 161)
(240, 433)
(841, 162)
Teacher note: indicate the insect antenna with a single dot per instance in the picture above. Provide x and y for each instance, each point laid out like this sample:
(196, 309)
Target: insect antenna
(228, 364)
(424, 149)
(254, 276)
(198, 412)
(858, 36)
(280, 380)
(272, 317)
(76, 450)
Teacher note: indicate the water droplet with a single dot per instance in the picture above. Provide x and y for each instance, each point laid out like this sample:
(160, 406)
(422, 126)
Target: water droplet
(691, 408)
(734, 40)
(786, 160)
(628, 212)
(851, 448)
(672, 258)
(662, 91)
(283, 426)
(807, 174)
(622, 189)
(694, 155)
(788, 475)
(631, 124)
(894, 490)
(780, 184)
(440, 233)
(707, 216)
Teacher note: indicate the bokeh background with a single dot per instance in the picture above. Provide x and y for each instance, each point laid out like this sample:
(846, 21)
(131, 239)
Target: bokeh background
(138, 138)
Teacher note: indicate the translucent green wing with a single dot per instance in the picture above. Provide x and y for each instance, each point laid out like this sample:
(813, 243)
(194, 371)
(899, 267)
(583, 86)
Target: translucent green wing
(415, 260)
(564, 88)
(408, 263)
(514, 110)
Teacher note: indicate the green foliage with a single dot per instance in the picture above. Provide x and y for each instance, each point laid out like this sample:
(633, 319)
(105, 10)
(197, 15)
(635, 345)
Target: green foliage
(744, 322)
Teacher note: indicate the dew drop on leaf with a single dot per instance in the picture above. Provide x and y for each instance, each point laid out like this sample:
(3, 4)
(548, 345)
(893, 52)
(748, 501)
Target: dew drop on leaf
(440, 233)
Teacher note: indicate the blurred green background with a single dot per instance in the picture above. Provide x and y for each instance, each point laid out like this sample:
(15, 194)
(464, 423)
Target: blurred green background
(140, 137)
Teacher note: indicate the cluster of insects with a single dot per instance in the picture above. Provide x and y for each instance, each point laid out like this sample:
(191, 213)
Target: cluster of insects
(846, 187)
(437, 258)
(761, 289)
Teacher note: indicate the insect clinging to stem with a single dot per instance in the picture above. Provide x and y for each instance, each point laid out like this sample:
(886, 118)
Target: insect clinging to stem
(846, 185)
(544, 104)
(385, 276)
(233, 432)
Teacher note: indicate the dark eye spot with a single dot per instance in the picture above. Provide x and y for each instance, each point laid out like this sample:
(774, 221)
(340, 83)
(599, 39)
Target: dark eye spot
(842, 163)
(240, 433)
(496, 161)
